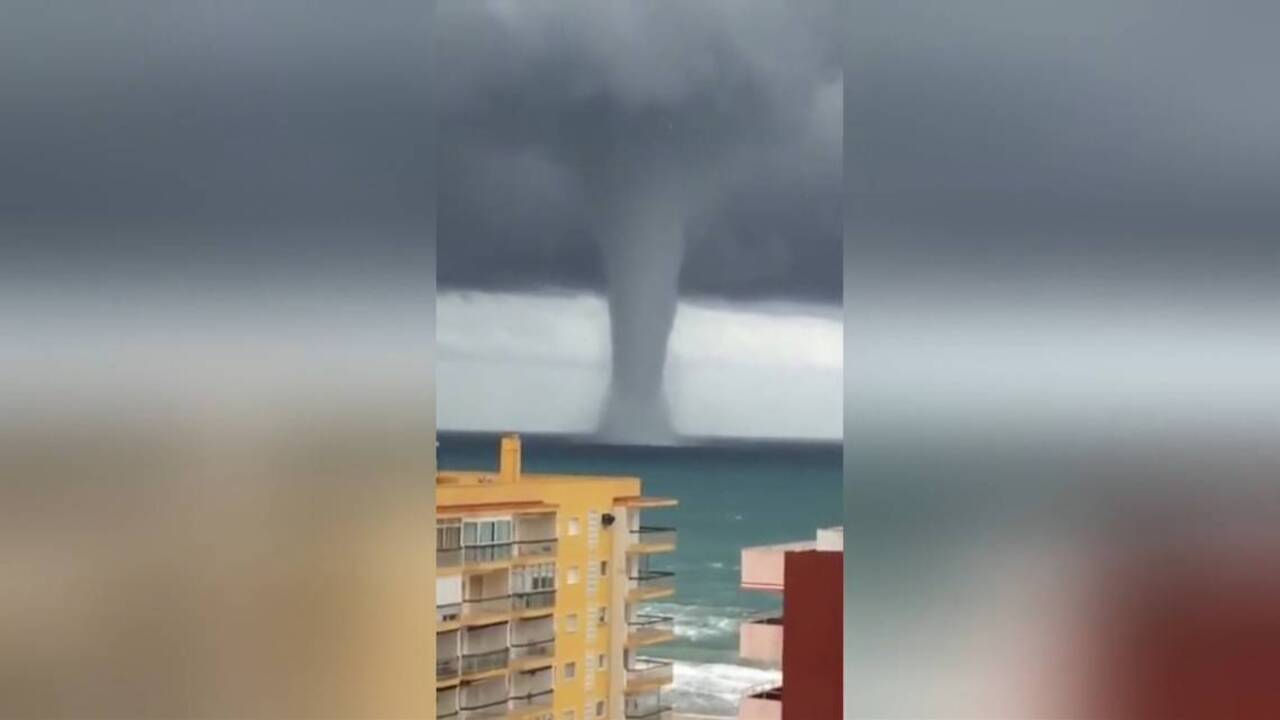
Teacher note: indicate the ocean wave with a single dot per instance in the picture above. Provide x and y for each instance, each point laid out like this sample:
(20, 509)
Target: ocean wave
(699, 622)
(715, 688)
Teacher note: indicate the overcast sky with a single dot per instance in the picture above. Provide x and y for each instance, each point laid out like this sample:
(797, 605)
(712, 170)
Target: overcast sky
(727, 113)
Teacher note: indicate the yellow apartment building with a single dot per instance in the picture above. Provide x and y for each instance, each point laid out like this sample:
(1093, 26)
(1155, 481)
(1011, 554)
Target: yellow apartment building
(539, 581)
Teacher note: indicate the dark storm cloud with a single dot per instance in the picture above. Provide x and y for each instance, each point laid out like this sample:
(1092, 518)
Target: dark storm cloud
(552, 110)
(1005, 135)
(136, 126)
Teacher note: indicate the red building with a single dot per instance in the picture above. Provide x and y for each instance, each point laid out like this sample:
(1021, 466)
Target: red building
(806, 638)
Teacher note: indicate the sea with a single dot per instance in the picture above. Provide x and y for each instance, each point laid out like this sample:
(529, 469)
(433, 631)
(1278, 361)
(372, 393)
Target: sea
(732, 495)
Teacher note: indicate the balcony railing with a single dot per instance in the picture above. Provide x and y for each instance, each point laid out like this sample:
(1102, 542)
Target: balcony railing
(653, 536)
(473, 663)
(480, 554)
(650, 671)
(534, 600)
(537, 699)
(654, 580)
(766, 691)
(765, 617)
(535, 548)
(652, 712)
(478, 709)
(496, 605)
(534, 649)
(447, 668)
(448, 613)
(448, 557)
(645, 627)
(447, 704)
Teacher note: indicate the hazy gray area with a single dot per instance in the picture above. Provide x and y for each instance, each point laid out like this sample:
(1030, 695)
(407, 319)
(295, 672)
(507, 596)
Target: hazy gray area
(216, 378)
(1061, 285)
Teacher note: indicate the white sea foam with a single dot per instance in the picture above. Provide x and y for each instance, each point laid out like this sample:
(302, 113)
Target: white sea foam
(697, 622)
(715, 688)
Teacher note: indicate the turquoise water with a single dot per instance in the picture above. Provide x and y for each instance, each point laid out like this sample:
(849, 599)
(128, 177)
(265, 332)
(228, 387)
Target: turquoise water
(731, 496)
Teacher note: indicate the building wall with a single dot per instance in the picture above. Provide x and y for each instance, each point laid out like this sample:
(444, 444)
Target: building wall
(813, 624)
(577, 499)
(618, 611)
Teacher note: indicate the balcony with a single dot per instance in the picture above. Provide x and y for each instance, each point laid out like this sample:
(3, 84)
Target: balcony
(534, 652)
(495, 709)
(483, 662)
(535, 548)
(447, 704)
(525, 704)
(651, 584)
(446, 614)
(480, 555)
(647, 539)
(649, 705)
(448, 668)
(531, 602)
(763, 565)
(648, 673)
(656, 712)
(478, 611)
(448, 558)
(760, 638)
(650, 629)
(761, 703)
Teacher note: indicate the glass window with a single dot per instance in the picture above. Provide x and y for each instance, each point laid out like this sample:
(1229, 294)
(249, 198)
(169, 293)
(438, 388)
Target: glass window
(604, 568)
(449, 535)
(602, 661)
(573, 526)
(570, 670)
(602, 616)
(571, 623)
(599, 708)
(544, 577)
(486, 532)
(534, 578)
(571, 575)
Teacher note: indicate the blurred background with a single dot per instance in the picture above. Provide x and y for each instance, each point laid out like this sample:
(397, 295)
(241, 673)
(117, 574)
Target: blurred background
(1061, 397)
(216, 382)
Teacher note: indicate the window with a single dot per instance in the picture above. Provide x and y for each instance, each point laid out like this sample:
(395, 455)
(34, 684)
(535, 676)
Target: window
(571, 575)
(571, 623)
(602, 616)
(570, 670)
(534, 578)
(599, 708)
(568, 715)
(602, 661)
(448, 534)
(604, 568)
(573, 526)
(486, 532)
